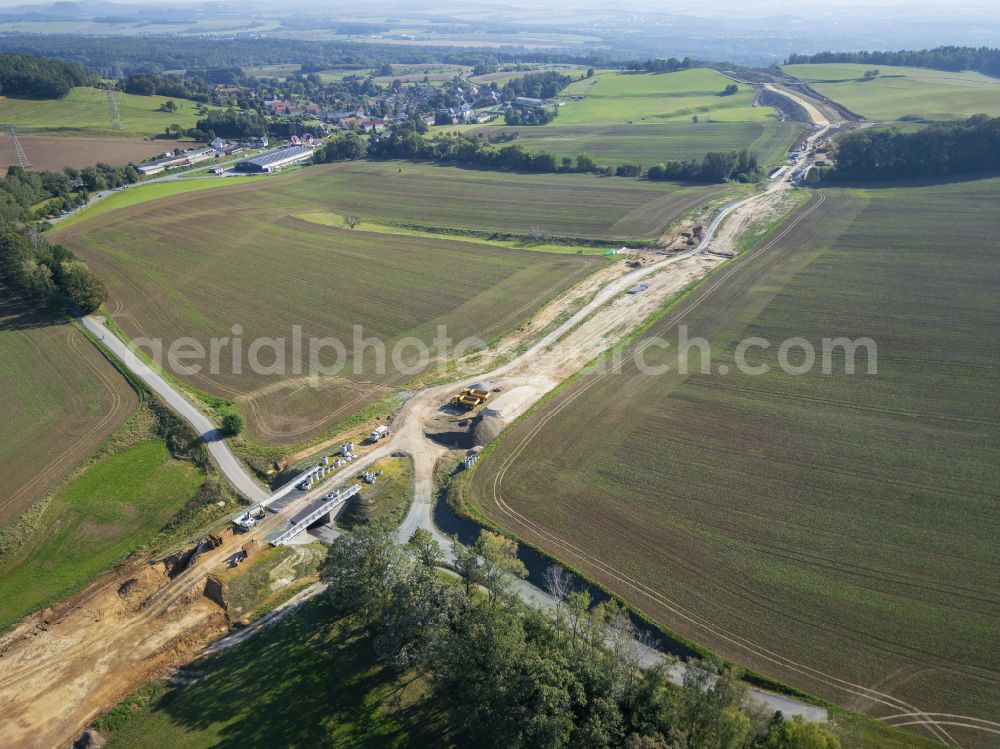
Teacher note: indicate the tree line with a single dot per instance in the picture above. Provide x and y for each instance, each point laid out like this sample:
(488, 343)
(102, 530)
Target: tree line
(195, 88)
(196, 55)
(715, 166)
(542, 85)
(38, 77)
(21, 190)
(961, 147)
(406, 142)
(48, 272)
(511, 676)
(659, 65)
(982, 59)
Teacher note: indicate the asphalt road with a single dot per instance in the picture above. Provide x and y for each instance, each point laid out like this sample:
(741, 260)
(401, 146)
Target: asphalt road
(228, 463)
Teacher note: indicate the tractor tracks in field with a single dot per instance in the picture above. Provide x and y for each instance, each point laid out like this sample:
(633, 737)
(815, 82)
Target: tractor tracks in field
(934, 725)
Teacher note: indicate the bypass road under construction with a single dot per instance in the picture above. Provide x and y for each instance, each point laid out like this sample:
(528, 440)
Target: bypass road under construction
(71, 676)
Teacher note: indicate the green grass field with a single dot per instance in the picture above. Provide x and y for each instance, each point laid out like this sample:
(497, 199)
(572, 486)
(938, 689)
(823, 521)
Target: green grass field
(824, 529)
(84, 111)
(389, 497)
(613, 98)
(316, 683)
(903, 92)
(195, 264)
(143, 193)
(61, 399)
(649, 144)
(114, 506)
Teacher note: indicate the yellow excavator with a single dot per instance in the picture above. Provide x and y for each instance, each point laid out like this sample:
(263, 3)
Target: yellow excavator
(471, 398)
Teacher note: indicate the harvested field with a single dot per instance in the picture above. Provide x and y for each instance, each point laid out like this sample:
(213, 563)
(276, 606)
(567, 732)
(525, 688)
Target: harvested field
(649, 144)
(54, 153)
(897, 92)
(195, 266)
(570, 205)
(836, 532)
(61, 399)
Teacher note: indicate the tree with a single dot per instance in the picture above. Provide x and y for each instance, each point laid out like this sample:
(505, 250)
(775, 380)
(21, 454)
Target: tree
(363, 569)
(351, 221)
(499, 563)
(83, 287)
(233, 423)
(425, 548)
(585, 162)
(168, 106)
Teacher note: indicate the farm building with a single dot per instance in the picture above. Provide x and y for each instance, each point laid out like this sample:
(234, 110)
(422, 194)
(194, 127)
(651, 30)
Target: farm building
(527, 101)
(273, 161)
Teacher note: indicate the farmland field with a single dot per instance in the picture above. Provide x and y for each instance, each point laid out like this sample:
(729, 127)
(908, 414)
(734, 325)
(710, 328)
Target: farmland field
(827, 530)
(569, 205)
(649, 144)
(53, 153)
(84, 112)
(61, 398)
(903, 92)
(197, 264)
(612, 97)
(95, 520)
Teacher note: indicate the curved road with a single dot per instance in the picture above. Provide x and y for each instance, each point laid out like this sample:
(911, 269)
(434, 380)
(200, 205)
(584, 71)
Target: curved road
(229, 464)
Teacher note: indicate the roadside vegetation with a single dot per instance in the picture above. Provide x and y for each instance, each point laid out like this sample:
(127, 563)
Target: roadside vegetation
(816, 512)
(508, 675)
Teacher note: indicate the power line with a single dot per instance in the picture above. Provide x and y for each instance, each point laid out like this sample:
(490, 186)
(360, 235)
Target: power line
(19, 154)
(114, 117)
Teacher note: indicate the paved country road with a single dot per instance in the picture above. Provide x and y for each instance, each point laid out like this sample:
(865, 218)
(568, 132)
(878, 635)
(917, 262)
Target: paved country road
(229, 464)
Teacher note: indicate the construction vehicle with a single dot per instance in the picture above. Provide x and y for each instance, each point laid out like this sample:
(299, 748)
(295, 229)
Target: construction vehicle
(471, 398)
(379, 433)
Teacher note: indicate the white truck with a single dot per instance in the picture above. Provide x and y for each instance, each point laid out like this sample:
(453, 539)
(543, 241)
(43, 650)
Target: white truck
(380, 432)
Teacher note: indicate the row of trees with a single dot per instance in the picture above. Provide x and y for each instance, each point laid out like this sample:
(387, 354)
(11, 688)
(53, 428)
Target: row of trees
(659, 65)
(341, 147)
(715, 166)
(49, 272)
(37, 77)
(984, 59)
(511, 676)
(542, 85)
(21, 190)
(150, 84)
(962, 147)
(406, 143)
(523, 115)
